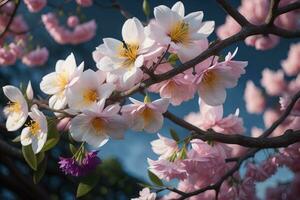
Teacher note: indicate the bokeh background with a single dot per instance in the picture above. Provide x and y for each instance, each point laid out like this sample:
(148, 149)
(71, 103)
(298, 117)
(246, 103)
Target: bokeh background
(133, 151)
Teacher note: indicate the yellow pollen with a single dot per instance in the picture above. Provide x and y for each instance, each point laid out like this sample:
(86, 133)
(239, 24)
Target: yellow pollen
(209, 78)
(180, 33)
(90, 96)
(98, 124)
(34, 127)
(14, 107)
(130, 53)
(147, 115)
(62, 80)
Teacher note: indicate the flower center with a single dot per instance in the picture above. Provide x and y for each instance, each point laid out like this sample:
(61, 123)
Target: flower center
(209, 78)
(130, 53)
(147, 115)
(34, 127)
(14, 107)
(98, 124)
(90, 96)
(180, 33)
(62, 80)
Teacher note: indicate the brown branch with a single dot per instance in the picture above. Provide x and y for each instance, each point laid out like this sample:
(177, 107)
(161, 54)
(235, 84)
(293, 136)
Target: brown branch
(271, 15)
(287, 8)
(10, 19)
(234, 13)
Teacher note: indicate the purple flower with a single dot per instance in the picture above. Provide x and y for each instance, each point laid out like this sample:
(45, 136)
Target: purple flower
(79, 168)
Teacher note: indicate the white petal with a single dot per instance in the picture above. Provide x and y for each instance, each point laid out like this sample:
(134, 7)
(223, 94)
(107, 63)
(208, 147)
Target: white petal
(15, 121)
(166, 17)
(179, 8)
(105, 90)
(112, 45)
(194, 20)
(29, 91)
(155, 124)
(26, 137)
(38, 142)
(133, 31)
(206, 29)
(161, 105)
(50, 83)
(13, 93)
(213, 96)
(68, 66)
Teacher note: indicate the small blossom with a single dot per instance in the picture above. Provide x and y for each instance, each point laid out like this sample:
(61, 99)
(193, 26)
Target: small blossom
(172, 27)
(57, 83)
(17, 109)
(164, 147)
(212, 81)
(29, 91)
(146, 194)
(291, 65)
(88, 90)
(36, 131)
(146, 115)
(96, 125)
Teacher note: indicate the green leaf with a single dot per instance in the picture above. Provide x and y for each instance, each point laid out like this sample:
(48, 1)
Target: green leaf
(87, 184)
(40, 172)
(154, 179)
(173, 58)
(182, 153)
(29, 156)
(40, 157)
(17, 139)
(72, 148)
(174, 135)
(146, 8)
(52, 137)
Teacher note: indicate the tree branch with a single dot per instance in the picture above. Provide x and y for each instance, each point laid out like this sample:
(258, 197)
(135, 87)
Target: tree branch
(10, 19)
(234, 13)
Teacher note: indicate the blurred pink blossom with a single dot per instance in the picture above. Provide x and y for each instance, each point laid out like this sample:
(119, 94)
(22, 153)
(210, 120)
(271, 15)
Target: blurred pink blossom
(35, 5)
(37, 57)
(273, 82)
(255, 101)
(291, 65)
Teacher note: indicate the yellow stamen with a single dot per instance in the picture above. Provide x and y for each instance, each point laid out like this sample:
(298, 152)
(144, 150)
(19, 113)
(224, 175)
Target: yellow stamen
(90, 96)
(209, 78)
(98, 124)
(14, 107)
(130, 53)
(180, 33)
(62, 80)
(147, 115)
(34, 127)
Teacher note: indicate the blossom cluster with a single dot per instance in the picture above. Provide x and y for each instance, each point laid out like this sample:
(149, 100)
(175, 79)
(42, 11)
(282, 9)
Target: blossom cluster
(256, 12)
(18, 43)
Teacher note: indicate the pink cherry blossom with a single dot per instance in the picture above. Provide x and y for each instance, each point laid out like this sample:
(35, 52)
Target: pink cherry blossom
(178, 89)
(213, 80)
(273, 81)
(164, 147)
(146, 194)
(35, 5)
(7, 57)
(37, 57)
(291, 65)
(62, 35)
(255, 101)
(167, 170)
(146, 115)
(212, 117)
(256, 132)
